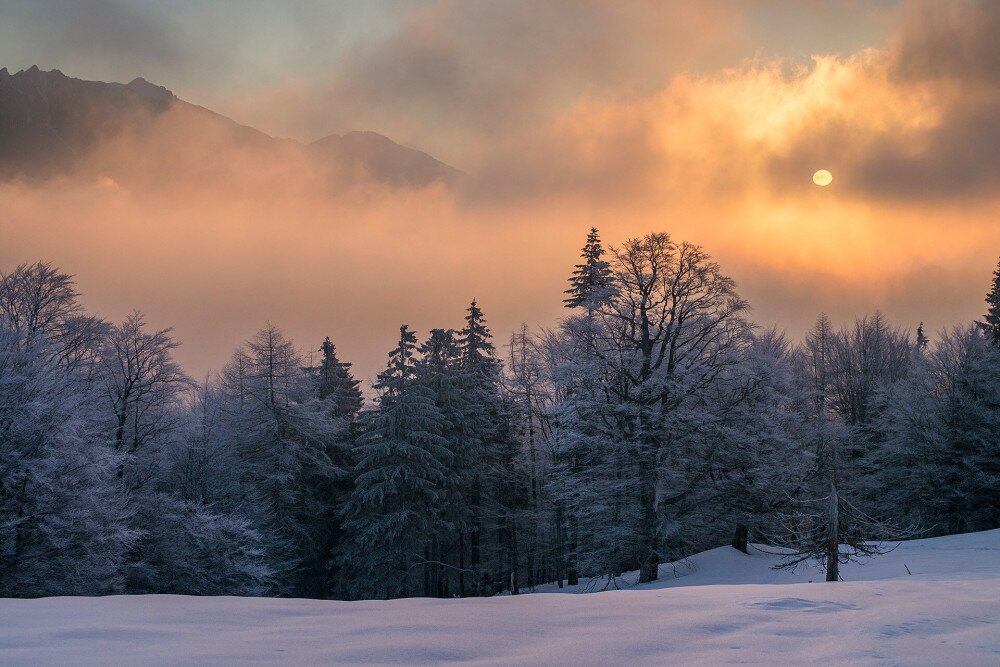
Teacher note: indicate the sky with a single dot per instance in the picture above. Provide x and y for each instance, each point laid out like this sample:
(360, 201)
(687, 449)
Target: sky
(703, 119)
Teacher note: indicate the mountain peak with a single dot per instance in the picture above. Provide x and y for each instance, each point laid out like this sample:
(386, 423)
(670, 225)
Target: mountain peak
(50, 122)
(385, 160)
(149, 90)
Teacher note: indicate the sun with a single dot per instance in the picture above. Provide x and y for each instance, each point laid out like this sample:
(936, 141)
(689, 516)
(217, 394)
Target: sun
(822, 178)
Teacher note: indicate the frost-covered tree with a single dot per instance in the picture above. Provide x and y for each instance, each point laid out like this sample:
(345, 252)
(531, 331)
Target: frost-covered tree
(38, 301)
(63, 513)
(188, 548)
(991, 322)
(440, 370)
(400, 473)
(200, 538)
(758, 462)
(591, 281)
(941, 426)
(528, 390)
(285, 435)
(842, 374)
(480, 381)
(864, 358)
(64, 526)
(643, 362)
(337, 384)
(142, 384)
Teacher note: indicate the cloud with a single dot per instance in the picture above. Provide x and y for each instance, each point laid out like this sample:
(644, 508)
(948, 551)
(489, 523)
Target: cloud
(102, 34)
(949, 42)
(458, 72)
(934, 134)
(634, 118)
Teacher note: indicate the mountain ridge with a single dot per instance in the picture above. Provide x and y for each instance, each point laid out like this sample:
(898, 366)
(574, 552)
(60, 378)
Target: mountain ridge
(50, 123)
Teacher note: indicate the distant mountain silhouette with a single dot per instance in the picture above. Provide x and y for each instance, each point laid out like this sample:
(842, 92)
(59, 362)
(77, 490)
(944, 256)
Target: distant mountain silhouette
(383, 159)
(53, 125)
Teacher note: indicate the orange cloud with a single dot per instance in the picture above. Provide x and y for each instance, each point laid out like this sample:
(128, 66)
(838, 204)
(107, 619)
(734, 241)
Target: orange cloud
(206, 229)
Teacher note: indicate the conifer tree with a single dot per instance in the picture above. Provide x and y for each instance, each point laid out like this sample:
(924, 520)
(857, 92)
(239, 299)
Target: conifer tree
(337, 384)
(991, 323)
(922, 339)
(285, 436)
(591, 281)
(476, 344)
(481, 383)
(440, 370)
(940, 423)
(402, 462)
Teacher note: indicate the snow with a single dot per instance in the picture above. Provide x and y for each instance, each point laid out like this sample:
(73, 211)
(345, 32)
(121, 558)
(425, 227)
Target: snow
(969, 556)
(726, 607)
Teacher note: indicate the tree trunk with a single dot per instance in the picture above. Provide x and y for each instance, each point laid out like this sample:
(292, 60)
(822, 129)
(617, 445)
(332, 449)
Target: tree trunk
(572, 576)
(427, 569)
(475, 536)
(561, 545)
(833, 538)
(461, 564)
(514, 587)
(741, 537)
(120, 440)
(649, 548)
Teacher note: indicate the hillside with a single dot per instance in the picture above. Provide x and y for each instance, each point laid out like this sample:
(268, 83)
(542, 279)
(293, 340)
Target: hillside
(54, 125)
(725, 608)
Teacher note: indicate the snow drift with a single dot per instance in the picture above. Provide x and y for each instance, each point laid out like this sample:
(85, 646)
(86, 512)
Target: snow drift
(723, 607)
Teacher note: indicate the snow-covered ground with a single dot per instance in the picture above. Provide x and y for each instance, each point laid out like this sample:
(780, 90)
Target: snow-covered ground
(970, 556)
(725, 607)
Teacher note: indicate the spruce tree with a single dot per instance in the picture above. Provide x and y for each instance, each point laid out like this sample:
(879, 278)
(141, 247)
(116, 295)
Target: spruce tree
(922, 339)
(476, 344)
(285, 439)
(440, 370)
(991, 323)
(591, 281)
(480, 382)
(402, 462)
(336, 383)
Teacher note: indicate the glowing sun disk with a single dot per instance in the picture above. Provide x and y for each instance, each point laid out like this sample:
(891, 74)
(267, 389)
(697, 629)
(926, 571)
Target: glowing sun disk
(822, 178)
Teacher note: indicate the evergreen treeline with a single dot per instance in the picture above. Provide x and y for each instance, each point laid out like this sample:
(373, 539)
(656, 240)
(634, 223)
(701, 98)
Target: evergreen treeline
(655, 421)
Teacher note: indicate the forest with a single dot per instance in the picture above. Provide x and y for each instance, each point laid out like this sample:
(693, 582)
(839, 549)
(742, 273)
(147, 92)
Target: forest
(655, 420)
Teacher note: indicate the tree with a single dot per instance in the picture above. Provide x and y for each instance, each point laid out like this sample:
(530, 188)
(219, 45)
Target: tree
(922, 339)
(753, 443)
(142, 384)
(940, 426)
(38, 300)
(183, 546)
(200, 538)
(402, 462)
(63, 514)
(480, 380)
(285, 434)
(842, 374)
(440, 370)
(527, 386)
(591, 281)
(991, 323)
(337, 384)
(670, 330)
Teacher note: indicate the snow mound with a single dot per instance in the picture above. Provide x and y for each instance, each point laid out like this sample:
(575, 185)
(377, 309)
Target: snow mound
(969, 556)
(946, 612)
